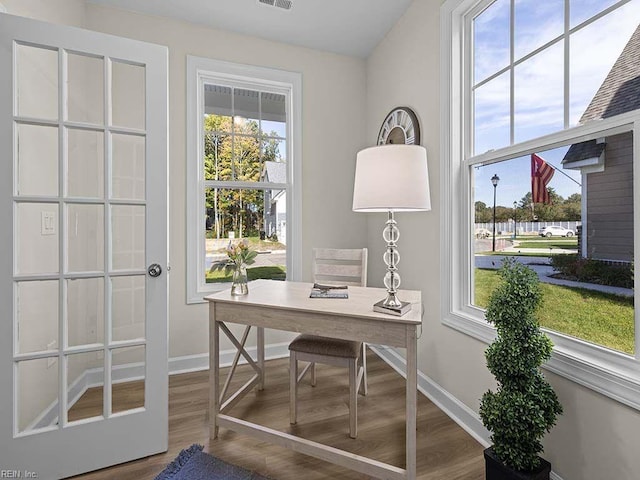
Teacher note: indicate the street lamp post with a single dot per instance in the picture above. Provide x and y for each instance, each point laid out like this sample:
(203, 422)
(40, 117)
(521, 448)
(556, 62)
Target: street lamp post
(494, 180)
(515, 219)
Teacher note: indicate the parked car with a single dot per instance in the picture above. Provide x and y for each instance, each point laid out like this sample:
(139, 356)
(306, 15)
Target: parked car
(482, 233)
(556, 231)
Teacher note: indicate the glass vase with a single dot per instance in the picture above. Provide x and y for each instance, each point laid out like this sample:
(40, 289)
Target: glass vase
(239, 285)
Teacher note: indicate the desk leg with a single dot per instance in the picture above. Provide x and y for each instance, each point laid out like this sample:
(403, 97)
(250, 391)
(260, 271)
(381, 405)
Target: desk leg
(214, 372)
(412, 388)
(260, 335)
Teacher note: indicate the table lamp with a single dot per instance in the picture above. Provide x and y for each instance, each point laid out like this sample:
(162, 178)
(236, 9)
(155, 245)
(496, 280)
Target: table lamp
(391, 178)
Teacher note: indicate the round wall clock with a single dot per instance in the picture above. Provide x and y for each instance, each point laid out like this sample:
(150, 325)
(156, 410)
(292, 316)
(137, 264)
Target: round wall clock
(400, 127)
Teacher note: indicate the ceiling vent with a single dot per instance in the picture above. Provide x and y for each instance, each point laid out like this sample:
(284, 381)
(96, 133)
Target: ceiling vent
(284, 4)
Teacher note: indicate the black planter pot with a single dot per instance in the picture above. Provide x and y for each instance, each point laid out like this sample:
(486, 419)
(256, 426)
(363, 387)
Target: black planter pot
(496, 470)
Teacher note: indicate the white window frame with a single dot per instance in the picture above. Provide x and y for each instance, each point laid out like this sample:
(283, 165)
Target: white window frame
(610, 373)
(204, 70)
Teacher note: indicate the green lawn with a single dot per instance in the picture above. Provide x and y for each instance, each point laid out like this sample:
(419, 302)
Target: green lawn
(596, 317)
(268, 272)
(538, 238)
(549, 243)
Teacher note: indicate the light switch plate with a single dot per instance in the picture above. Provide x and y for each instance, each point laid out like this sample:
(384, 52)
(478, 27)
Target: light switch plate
(48, 223)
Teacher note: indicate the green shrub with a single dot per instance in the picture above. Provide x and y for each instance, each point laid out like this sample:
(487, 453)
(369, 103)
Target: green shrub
(565, 264)
(524, 406)
(590, 270)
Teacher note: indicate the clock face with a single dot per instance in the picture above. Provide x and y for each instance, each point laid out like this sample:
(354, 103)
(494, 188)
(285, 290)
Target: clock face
(400, 127)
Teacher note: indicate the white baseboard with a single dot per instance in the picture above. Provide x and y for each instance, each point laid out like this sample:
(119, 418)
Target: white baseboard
(468, 420)
(197, 363)
(465, 417)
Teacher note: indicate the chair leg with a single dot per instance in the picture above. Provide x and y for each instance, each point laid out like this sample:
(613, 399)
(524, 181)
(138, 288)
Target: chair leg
(313, 374)
(364, 368)
(293, 388)
(353, 398)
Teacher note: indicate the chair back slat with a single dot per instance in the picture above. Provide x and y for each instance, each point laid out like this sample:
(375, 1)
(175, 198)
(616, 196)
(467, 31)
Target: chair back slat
(339, 266)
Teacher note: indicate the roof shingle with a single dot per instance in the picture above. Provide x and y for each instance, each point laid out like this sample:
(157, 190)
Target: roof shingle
(620, 91)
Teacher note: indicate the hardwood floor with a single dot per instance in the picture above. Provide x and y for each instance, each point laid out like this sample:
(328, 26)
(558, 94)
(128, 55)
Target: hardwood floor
(445, 451)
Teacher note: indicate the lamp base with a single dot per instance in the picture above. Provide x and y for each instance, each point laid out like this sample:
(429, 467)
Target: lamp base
(397, 311)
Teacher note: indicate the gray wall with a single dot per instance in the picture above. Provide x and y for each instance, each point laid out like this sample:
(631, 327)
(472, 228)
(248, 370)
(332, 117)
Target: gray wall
(609, 228)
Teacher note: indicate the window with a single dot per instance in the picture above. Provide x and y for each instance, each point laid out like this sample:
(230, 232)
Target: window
(243, 173)
(544, 113)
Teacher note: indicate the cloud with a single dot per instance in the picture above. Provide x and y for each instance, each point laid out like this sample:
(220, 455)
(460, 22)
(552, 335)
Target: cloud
(539, 81)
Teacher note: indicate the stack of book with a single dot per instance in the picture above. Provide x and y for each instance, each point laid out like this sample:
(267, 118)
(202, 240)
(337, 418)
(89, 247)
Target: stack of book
(329, 291)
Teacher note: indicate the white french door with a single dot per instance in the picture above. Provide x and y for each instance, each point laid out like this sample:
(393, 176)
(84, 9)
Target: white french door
(83, 249)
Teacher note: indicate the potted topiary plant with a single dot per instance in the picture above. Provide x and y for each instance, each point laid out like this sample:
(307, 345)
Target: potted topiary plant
(524, 407)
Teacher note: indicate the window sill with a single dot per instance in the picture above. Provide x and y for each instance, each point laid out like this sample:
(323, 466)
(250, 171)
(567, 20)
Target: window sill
(614, 375)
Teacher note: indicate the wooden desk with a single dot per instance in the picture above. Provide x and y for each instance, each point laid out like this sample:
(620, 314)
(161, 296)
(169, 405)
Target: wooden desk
(287, 306)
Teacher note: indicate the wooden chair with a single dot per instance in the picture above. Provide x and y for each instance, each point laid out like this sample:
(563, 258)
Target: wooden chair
(332, 267)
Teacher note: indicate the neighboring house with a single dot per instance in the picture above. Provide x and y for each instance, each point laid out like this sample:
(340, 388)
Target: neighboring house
(275, 201)
(607, 164)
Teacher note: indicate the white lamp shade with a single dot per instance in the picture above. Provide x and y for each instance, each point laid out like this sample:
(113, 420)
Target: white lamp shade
(391, 177)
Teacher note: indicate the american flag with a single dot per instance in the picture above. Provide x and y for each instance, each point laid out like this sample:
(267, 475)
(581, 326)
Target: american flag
(541, 175)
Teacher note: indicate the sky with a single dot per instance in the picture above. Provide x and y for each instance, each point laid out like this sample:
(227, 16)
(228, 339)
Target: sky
(539, 82)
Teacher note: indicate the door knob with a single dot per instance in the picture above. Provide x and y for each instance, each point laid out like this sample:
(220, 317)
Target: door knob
(154, 270)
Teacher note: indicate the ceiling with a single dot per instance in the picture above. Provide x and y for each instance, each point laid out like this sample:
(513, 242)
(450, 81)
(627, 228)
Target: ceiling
(349, 27)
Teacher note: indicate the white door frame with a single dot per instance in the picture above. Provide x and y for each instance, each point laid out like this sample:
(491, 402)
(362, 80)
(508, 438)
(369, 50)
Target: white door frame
(64, 450)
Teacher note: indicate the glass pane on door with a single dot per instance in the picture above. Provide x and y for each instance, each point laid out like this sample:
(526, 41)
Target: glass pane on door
(85, 238)
(37, 156)
(37, 315)
(37, 82)
(85, 163)
(128, 237)
(85, 380)
(128, 307)
(85, 89)
(128, 167)
(85, 311)
(37, 382)
(128, 95)
(128, 372)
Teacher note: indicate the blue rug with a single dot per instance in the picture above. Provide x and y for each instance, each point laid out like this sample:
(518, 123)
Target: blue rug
(193, 464)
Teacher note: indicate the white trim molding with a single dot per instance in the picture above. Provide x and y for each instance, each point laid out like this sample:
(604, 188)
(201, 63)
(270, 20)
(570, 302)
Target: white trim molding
(610, 373)
(204, 70)
(468, 420)
(200, 362)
